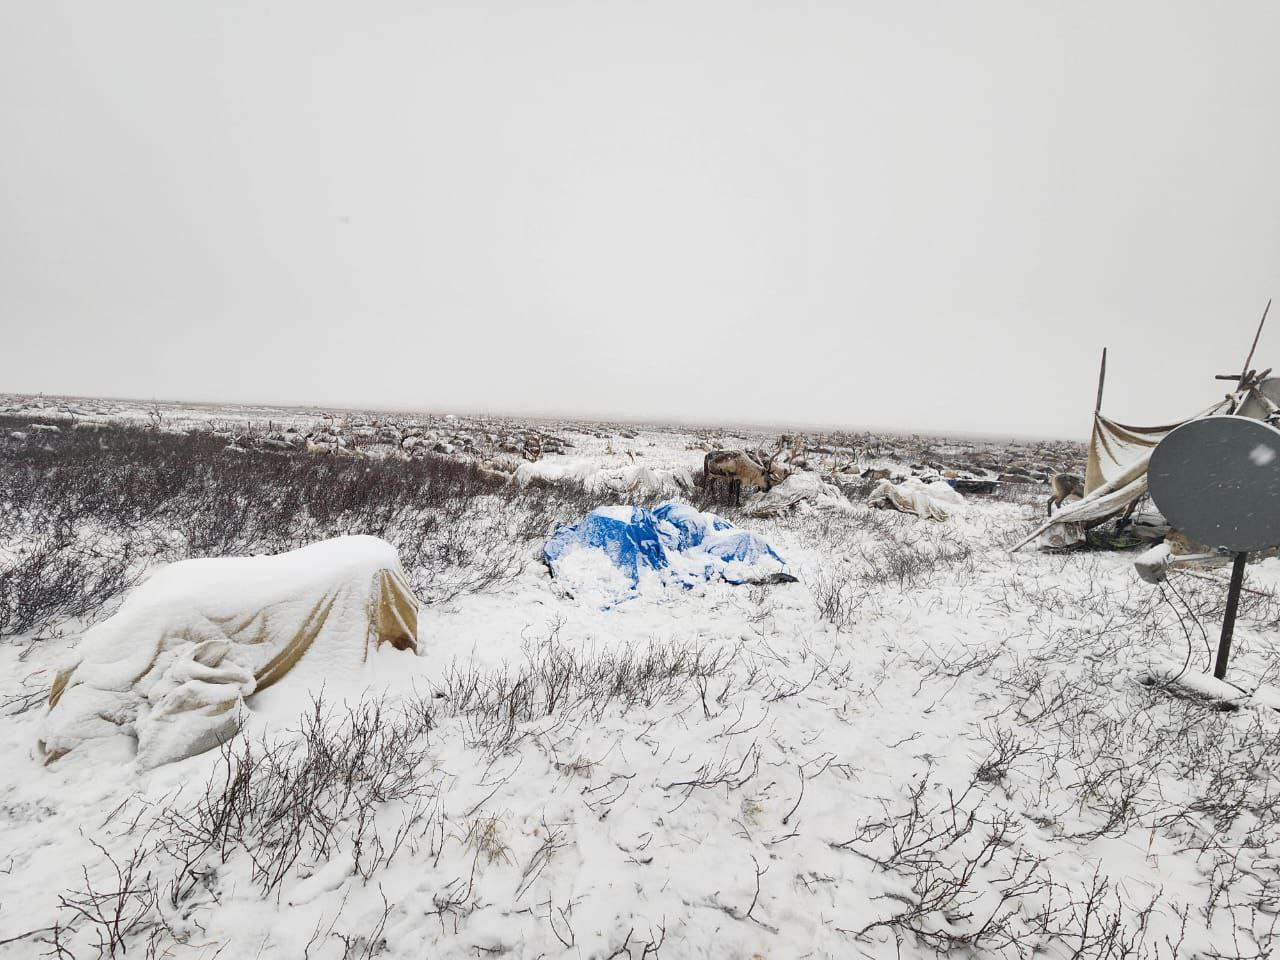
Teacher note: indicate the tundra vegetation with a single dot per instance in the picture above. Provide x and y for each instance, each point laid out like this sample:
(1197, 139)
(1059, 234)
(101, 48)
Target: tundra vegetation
(923, 749)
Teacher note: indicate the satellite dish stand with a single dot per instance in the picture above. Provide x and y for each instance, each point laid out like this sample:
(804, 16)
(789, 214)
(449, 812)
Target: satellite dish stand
(1229, 617)
(1217, 479)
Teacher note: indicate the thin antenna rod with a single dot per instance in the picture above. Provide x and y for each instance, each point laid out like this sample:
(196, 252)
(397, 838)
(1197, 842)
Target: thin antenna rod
(1102, 377)
(1247, 360)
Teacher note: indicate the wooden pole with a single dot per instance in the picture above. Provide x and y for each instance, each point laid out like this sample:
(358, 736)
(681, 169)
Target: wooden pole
(1102, 377)
(1245, 371)
(1229, 618)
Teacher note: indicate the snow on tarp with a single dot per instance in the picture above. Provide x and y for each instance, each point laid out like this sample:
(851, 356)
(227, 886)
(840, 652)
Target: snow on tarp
(800, 489)
(935, 501)
(175, 662)
(617, 551)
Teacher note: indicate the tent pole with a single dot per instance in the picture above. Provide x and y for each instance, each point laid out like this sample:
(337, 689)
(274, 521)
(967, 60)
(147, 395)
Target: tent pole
(1102, 376)
(1229, 617)
(1248, 359)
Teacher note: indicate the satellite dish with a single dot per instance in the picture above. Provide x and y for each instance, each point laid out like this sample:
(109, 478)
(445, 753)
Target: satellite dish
(1217, 480)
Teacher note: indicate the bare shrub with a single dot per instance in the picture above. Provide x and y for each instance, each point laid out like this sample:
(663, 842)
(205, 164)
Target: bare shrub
(51, 580)
(92, 507)
(114, 912)
(365, 946)
(837, 599)
(357, 784)
(876, 551)
(1022, 494)
(554, 679)
(310, 798)
(946, 851)
(912, 561)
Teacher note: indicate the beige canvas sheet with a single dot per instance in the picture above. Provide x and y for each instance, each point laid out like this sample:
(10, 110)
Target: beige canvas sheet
(1115, 476)
(1115, 448)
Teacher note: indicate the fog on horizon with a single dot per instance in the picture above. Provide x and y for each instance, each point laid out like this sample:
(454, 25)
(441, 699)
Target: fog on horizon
(925, 217)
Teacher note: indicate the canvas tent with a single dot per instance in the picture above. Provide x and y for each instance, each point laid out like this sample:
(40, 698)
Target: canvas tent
(1116, 472)
(175, 663)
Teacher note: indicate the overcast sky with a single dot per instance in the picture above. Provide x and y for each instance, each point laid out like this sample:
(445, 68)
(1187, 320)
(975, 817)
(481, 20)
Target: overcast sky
(916, 215)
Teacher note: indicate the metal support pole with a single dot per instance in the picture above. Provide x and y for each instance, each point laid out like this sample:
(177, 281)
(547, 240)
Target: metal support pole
(1229, 618)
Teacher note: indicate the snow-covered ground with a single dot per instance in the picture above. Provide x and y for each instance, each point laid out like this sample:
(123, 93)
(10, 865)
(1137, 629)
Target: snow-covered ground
(924, 746)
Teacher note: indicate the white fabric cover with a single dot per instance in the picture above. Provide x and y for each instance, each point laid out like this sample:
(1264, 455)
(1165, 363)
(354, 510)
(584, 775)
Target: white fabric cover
(176, 661)
(638, 479)
(934, 501)
(800, 487)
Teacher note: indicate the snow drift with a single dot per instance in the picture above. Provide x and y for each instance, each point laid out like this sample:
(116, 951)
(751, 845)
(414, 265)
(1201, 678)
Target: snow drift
(616, 551)
(176, 661)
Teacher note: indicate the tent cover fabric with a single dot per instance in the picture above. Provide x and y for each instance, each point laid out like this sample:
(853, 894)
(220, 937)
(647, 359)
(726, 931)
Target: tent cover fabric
(175, 663)
(1116, 472)
(615, 551)
(933, 501)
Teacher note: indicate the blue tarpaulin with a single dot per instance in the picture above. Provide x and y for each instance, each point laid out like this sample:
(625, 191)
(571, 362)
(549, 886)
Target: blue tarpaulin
(673, 543)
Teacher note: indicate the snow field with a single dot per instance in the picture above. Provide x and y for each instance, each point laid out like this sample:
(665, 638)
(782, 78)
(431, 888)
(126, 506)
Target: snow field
(925, 746)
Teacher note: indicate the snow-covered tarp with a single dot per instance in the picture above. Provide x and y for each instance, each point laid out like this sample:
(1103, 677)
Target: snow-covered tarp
(175, 663)
(616, 552)
(803, 490)
(935, 501)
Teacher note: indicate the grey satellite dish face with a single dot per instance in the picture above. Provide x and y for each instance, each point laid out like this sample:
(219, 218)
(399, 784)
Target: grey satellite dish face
(1218, 481)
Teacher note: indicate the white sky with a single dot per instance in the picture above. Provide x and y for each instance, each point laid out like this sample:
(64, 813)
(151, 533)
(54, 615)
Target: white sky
(912, 215)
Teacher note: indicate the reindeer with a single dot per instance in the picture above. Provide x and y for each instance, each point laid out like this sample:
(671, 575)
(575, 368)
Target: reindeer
(1064, 485)
(329, 445)
(738, 468)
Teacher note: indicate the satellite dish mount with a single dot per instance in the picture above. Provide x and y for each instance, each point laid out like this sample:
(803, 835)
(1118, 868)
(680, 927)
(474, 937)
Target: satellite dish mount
(1217, 480)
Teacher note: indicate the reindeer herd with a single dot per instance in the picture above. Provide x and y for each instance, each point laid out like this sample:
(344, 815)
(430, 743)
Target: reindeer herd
(759, 469)
(763, 469)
